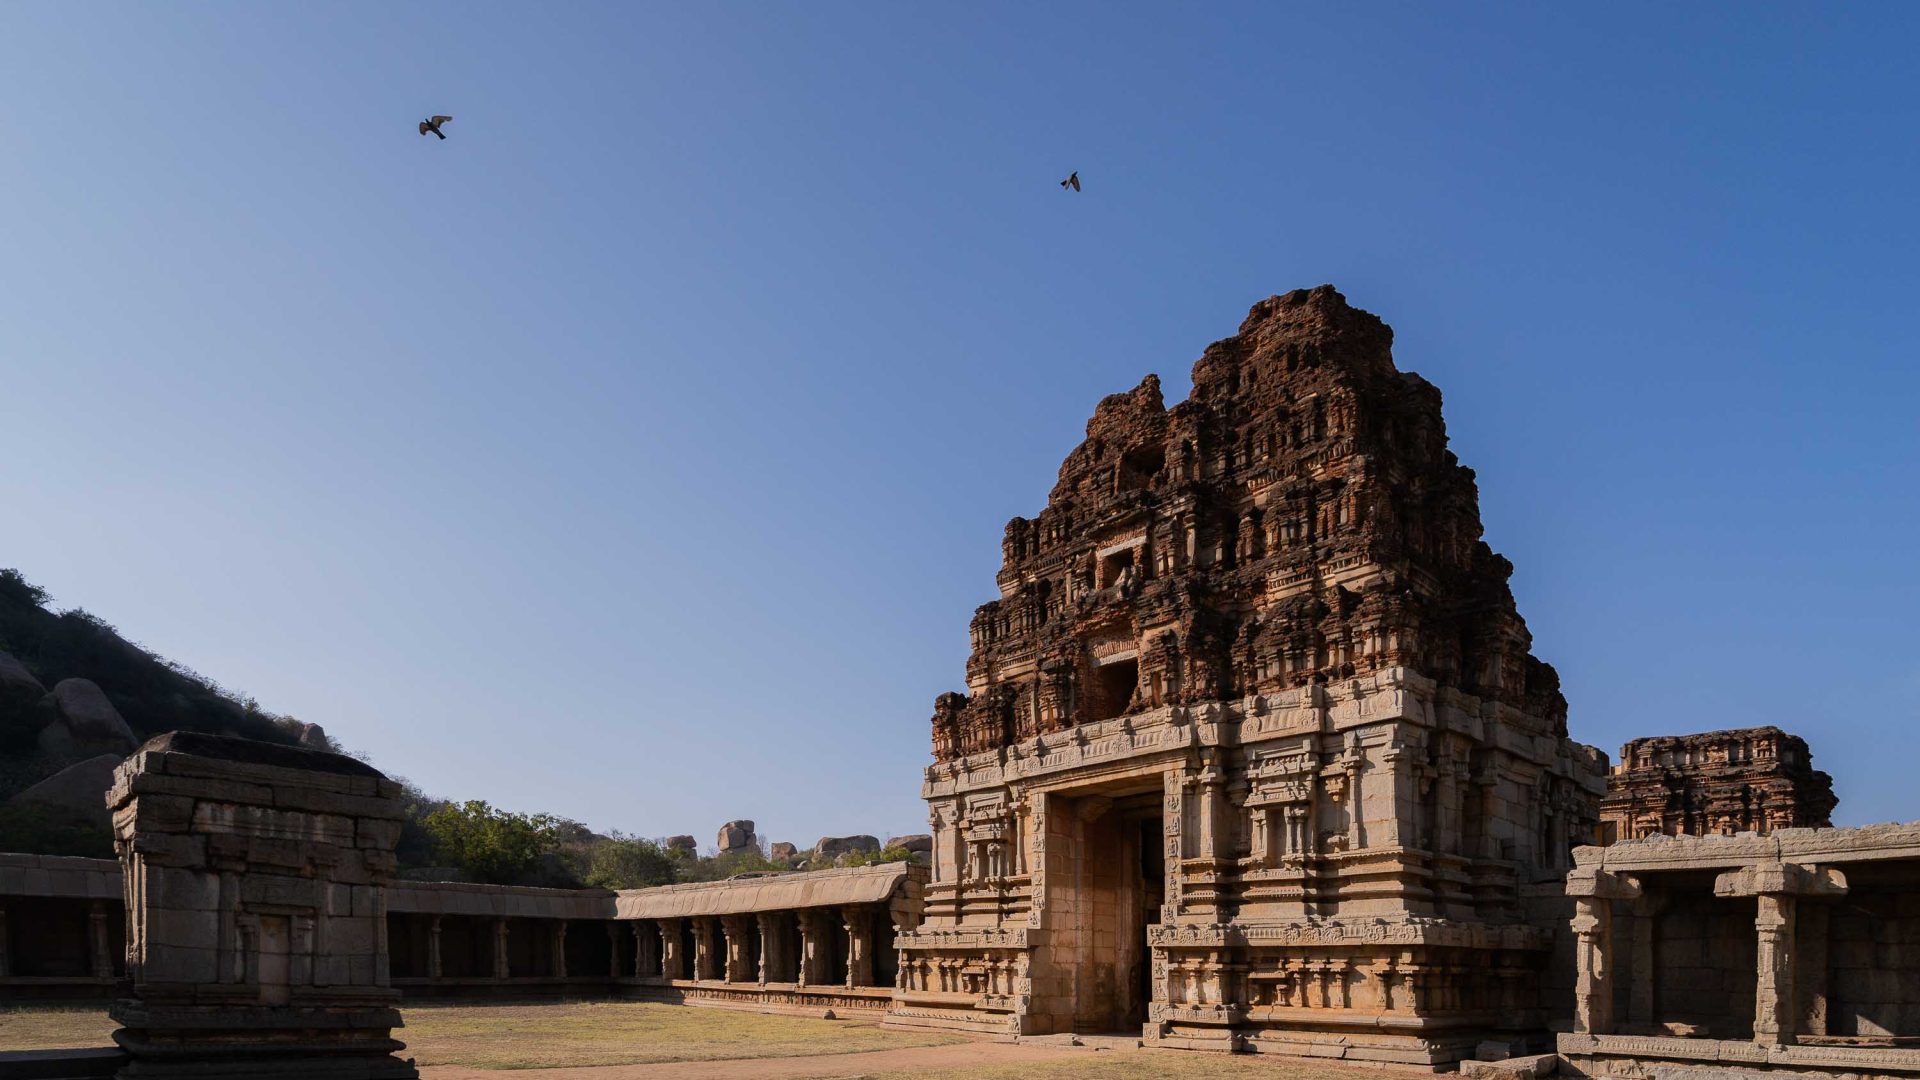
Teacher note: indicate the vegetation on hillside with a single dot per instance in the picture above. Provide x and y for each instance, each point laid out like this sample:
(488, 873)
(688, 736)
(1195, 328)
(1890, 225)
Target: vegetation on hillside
(470, 840)
(152, 694)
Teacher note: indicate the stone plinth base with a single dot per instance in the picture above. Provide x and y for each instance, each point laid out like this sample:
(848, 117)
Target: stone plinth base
(1639, 1056)
(282, 1043)
(781, 998)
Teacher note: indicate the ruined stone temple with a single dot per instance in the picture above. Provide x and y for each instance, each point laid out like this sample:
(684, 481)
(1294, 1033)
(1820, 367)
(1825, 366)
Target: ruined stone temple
(1254, 755)
(1254, 750)
(1721, 782)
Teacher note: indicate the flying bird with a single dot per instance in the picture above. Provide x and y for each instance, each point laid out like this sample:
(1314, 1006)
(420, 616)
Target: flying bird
(433, 124)
(1070, 182)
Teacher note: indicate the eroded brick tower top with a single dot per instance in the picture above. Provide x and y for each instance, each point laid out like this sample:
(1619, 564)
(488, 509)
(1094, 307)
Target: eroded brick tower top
(1298, 520)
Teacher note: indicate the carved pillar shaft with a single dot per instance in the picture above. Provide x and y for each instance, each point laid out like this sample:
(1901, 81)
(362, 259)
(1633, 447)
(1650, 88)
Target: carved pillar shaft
(813, 951)
(769, 945)
(502, 969)
(859, 927)
(98, 938)
(1773, 1004)
(613, 950)
(702, 949)
(559, 949)
(673, 964)
(1593, 955)
(433, 947)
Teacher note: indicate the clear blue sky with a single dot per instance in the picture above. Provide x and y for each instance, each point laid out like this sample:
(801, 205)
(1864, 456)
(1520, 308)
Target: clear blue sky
(640, 453)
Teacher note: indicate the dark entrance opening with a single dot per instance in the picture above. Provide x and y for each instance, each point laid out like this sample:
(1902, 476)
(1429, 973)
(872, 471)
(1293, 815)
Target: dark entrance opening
(1105, 884)
(1153, 893)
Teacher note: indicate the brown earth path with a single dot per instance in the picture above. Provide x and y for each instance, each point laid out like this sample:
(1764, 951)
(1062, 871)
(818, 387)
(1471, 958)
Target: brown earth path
(957, 1056)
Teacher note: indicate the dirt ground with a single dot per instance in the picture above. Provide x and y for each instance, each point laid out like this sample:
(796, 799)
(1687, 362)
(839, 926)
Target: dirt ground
(608, 1040)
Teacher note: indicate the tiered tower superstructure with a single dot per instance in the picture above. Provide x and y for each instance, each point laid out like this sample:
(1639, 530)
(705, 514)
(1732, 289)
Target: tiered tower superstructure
(1254, 751)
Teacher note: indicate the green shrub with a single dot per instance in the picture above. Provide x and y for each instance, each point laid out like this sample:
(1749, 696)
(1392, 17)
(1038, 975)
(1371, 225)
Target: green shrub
(495, 846)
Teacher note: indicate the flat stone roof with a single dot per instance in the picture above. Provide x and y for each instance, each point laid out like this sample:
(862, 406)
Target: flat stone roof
(780, 892)
(1862, 843)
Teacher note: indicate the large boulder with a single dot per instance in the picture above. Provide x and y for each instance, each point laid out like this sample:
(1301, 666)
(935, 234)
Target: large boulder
(682, 844)
(783, 853)
(831, 849)
(79, 790)
(920, 845)
(86, 715)
(314, 737)
(14, 676)
(736, 836)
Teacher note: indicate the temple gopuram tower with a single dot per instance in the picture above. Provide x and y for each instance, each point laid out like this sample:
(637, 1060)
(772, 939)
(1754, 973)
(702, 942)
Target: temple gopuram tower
(1254, 754)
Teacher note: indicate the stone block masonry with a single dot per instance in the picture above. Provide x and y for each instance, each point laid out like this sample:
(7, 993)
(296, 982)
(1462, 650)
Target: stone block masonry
(255, 890)
(1716, 783)
(1793, 951)
(1254, 752)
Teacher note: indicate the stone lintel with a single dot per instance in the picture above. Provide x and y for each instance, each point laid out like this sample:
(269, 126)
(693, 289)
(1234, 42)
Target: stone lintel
(1598, 884)
(1781, 879)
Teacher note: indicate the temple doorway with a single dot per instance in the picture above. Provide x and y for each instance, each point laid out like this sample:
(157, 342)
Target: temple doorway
(1105, 880)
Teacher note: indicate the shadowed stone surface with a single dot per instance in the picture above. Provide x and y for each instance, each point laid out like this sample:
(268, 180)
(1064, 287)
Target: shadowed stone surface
(15, 676)
(256, 918)
(79, 788)
(86, 717)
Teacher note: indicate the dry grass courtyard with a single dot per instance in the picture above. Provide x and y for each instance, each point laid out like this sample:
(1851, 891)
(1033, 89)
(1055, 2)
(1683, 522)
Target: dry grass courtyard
(643, 1041)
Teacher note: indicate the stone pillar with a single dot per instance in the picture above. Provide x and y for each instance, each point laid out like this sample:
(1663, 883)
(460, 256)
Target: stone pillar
(6, 966)
(1594, 891)
(1593, 955)
(737, 928)
(672, 964)
(859, 926)
(643, 942)
(1776, 888)
(502, 968)
(433, 948)
(99, 940)
(1773, 1004)
(813, 948)
(769, 945)
(559, 964)
(613, 950)
(703, 952)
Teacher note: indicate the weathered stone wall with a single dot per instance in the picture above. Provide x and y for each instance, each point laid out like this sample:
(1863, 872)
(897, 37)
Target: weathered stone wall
(1794, 952)
(255, 878)
(62, 927)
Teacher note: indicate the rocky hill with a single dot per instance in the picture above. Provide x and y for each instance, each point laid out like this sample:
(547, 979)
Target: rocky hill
(76, 698)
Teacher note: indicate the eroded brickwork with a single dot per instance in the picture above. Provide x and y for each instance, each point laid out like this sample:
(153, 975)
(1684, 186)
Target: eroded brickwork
(1254, 752)
(1716, 783)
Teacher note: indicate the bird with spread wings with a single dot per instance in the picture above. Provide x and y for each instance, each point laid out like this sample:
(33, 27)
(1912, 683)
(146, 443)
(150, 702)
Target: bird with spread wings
(1071, 181)
(433, 123)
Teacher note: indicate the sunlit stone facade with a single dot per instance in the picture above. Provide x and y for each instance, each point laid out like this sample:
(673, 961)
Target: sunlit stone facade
(1254, 753)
